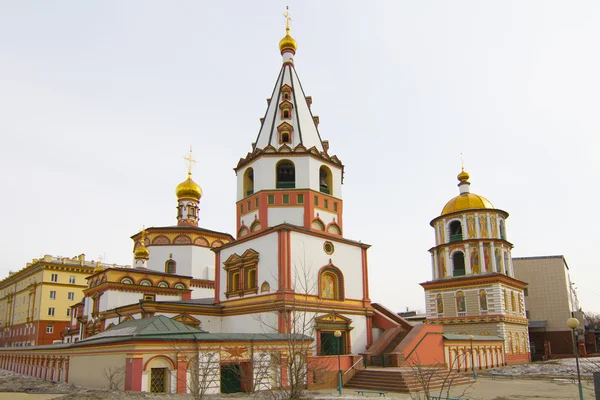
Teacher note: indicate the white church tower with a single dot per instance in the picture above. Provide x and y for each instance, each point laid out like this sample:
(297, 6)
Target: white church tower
(290, 252)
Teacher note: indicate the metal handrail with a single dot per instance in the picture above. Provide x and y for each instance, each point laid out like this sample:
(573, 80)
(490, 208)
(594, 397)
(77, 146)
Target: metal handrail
(353, 365)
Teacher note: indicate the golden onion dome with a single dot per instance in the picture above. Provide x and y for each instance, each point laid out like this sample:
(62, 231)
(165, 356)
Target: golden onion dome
(142, 252)
(466, 201)
(287, 43)
(463, 176)
(188, 189)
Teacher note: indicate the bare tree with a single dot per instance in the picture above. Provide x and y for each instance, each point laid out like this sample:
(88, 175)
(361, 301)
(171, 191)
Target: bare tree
(203, 365)
(295, 353)
(436, 380)
(115, 376)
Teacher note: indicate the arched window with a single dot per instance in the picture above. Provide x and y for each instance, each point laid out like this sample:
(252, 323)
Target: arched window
(439, 302)
(458, 263)
(483, 304)
(170, 267)
(286, 175)
(461, 305)
(317, 224)
(455, 231)
(163, 284)
(127, 281)
(331, 284)
(325, 180)
(146, 282)
(248, 182)
(513, 302)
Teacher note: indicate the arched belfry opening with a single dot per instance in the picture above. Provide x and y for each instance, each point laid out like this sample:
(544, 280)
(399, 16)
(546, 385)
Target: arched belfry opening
(248, 182)
(456, 231)
(286, 175)
(325, 180)
(458, 264)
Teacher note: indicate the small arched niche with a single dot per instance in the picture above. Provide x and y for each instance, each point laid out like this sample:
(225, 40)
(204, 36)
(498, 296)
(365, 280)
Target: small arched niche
(286, 175)
(248, 182)
(455, 228)
(325, 180)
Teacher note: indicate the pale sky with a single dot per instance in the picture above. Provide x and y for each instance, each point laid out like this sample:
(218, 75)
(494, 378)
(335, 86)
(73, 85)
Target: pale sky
(100, 100)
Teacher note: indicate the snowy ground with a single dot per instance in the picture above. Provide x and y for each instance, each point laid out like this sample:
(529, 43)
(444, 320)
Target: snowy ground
(561, 367)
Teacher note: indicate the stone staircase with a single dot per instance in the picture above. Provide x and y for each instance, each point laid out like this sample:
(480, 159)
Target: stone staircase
(406, 380)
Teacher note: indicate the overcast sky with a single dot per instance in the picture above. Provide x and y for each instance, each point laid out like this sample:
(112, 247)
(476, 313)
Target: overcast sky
(99, 101)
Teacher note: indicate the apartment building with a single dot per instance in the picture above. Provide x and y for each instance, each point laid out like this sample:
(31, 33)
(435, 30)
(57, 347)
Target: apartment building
(35, 302)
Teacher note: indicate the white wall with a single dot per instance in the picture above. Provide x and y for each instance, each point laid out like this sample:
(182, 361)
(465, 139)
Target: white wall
(291, 215)
(358, 335)
(267, 247)
(195, 261)
(250, 323)
(308, 254)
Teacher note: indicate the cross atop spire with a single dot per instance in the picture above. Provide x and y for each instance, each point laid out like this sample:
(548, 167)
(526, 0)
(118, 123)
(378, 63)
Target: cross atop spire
(286, 14)
(190, 161)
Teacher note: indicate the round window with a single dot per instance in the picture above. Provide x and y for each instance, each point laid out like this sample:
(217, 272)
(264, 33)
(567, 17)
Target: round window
(328, 247)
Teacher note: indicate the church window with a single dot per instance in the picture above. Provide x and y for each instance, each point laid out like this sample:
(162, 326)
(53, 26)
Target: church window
(334, 228)
(163, 284)
(513, 302)
(146, 282)
(439, 304)
(286, 175)
(127, 281)
(248, 206)
(331, 283)
(325, 182)
(265, 287)
(271, 199)
(502, 230)
(285, 133)
(285, 137)
(256, 202)
(317, 224)
(171, 267)
(286, 95)
(483, 304)
(241, 274)
(455, 231)
(234, 283)
(335, 207)
(316, 201)
(149, 297)
(248, 182)
(286, 114)
(256, 226)
(241, 208)
(300, 199)
(458, 263)
(328, 247)
(179, 285)
(325, 203)
(461, 306)
(250, 278)
(286, 199)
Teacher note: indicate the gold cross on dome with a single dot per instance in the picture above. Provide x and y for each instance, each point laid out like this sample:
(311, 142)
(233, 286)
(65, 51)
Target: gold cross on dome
(286, 14)
(190, 161)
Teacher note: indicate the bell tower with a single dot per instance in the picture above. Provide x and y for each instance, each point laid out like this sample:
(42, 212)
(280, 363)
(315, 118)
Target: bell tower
(289, 175)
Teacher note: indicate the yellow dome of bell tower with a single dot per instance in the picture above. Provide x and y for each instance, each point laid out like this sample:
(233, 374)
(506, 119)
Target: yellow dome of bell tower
(188, 197)
(188, 189)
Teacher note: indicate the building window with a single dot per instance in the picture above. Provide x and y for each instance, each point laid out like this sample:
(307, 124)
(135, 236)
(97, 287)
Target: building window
(455, 231)
(149, 297)
(241, 208)
(458, 263)
(248, 182)
(51, 311)
(53, 294)
(286, 199)
(54, 277)
(505, 300)
(325, 203)
(300, 199)
(50, 329)
(286, 175)
(513, 302)
(335, 207)
(242, 274)
(271, 199)
(170, 267)
(325, 183)
(72, 279)
(256, 202)
(68, 312)
(71, 295)
(316, 201)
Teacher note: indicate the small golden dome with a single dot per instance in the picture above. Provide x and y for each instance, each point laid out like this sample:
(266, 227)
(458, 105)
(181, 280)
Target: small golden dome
(188, 189)
(142, 252)
(463, 176)
(466, 201)
(287, 43)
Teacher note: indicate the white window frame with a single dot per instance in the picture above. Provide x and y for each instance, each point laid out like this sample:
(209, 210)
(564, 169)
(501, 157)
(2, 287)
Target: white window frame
(72, 279)
(50, 329)
(53, 294)
(71, 295)
(51, 311)
(54, 277)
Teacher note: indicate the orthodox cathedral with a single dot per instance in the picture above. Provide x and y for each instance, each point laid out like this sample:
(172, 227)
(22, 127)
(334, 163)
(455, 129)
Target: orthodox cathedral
(242, 296)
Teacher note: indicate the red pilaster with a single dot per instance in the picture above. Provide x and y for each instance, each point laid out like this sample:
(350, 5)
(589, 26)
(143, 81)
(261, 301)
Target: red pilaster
(365, 275)
(181, 375)
(217, 275)
(133, 373)
(369, 331)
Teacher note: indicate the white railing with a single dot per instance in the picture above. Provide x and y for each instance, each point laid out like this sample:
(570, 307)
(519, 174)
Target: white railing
(353, 365)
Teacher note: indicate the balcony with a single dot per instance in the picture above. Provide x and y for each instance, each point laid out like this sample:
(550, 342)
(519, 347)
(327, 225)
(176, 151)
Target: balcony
(459, 272)
(249, 192)
(286, 185)
(456, 238)
(324, 189)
